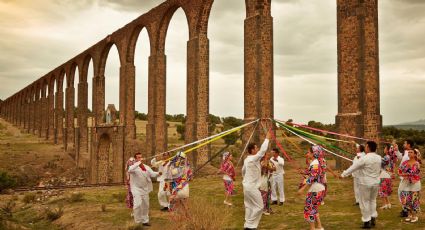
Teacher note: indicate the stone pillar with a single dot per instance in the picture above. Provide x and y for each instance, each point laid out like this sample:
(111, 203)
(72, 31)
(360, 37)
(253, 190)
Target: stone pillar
(197, 95)
(156, 128)
(69, 101)
(127, 107)
(258, 66)
(358, 69)
(51, 111)
(59, 115)
(82, 115)
(99, 99)
(37, 114)
(44, 114)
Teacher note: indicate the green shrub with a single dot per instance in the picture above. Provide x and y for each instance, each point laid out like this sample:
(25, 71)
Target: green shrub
(119, 197)
(28, 198)
(76, 197)
(6, 181)
(54, 214)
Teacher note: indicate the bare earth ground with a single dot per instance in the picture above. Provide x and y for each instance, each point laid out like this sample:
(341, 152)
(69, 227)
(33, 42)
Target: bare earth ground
(104, 208)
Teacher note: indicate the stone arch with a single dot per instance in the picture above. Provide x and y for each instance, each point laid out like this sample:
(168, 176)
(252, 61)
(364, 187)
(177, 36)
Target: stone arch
(104, 159)
(134, 37)
(165, 22)
(104, 56)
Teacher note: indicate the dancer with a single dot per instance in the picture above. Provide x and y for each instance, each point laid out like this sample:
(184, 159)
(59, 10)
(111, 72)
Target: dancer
(141, 186)
(408, 145)
(251, 172)
(410, 186)
(314, 180)
(385, 186)
(277, 177)
(163, 191)
(267, 168)
(179, 174)
(357, 174)
(370, 165)
(228, 169)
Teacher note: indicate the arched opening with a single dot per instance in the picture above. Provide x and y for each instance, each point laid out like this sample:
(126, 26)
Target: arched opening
(76, 80)
(141, 62)
(104, 160)
(226, 23)
(90, 76)
(176, 80)
(112, 80)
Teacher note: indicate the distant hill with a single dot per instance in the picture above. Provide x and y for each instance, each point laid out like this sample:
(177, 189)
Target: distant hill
(415, 125)
(420, 122)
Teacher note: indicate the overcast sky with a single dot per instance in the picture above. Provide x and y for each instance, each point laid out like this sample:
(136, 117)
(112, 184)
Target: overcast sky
(37, 36)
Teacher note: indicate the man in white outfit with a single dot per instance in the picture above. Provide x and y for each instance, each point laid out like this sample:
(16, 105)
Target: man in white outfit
(277, 177)
(408, 145)
(141, 186)
(163, 192)
(357, 174)
(251, 172)
(370, 165)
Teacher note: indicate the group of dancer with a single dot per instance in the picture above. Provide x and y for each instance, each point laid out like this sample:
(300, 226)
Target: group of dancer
(263, 185)
(373, 175)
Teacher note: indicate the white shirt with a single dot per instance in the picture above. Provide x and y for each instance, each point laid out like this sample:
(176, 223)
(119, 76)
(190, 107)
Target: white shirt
(404, 157)
(358, 173)
(161, 168)
(251, 170)
(279, 165)
(140, 181)
(370, 165)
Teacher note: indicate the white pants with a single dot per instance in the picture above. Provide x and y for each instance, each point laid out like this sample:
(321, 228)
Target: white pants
(141, 208)
(163, 195)
(277, 183)
(356, 189)
(253, 206)
(368, 195)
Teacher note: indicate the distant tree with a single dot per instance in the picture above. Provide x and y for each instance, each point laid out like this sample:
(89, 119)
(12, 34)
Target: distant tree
(229, 123)
(181, 130)
(6, 181)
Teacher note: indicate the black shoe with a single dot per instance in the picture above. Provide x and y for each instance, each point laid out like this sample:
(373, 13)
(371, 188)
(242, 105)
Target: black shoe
(249, 228)
(373, 222)
(356, 204)
(404, 213)
(274, 202)
(164, 209)
(366, 225)
(146, 224)
(280, 203)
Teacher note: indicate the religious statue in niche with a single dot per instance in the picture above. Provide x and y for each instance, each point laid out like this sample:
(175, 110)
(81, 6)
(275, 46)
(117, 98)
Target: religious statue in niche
(111, 114)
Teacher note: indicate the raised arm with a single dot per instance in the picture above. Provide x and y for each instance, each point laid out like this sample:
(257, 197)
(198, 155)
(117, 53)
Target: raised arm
(151, 172)
(132, 168)
(354, 167)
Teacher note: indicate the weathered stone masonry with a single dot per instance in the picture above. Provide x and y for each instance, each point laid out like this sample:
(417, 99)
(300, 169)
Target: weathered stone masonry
(40, 110)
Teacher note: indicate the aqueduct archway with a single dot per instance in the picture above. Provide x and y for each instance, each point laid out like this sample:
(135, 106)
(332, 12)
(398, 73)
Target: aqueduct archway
(358, 83)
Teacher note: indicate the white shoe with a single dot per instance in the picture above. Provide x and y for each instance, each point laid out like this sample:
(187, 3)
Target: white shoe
(266, 213)
(384, 207)
(319, 229)
(227, 203)
(414, 219)
(388, 206)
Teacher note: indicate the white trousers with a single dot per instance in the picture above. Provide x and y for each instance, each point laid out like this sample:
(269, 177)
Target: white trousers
(253, 206)
(163, 195)
(356, 189)
(368, 195)
(141, 208)
(277, 184)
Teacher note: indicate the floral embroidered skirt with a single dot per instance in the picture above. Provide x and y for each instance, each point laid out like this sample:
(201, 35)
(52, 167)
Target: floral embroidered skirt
(229, 188)
(312, 202)
(410, 200)
(266, 195)
(385, 187)
(129, 198)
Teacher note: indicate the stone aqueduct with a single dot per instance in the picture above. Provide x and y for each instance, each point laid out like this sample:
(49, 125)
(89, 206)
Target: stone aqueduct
(39, 109)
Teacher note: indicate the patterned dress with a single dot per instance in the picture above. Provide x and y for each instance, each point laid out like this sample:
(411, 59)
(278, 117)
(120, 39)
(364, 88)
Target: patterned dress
(265, 189)
(410, 189)
(385, 186)
(229, 170)
(129, 195)
(315, 178)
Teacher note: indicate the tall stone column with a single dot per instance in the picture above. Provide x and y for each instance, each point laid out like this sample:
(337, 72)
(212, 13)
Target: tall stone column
(37, 113)
(258, 65)
(157, 126)
(127, 108)
(69, 113)
(44, 114)
(197, 95)
(99, 99)
(82, 115)
(358, 68)
(59, 115)
(51, 111)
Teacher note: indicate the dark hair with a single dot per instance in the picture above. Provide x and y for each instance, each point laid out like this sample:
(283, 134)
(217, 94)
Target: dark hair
(251, 146)
(372, 145)
(275, 150)
(138, 153)
(410, 142)
(361, 148)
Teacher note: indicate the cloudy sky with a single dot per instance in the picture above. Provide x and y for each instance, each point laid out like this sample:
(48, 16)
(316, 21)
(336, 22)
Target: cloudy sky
(37, 36)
